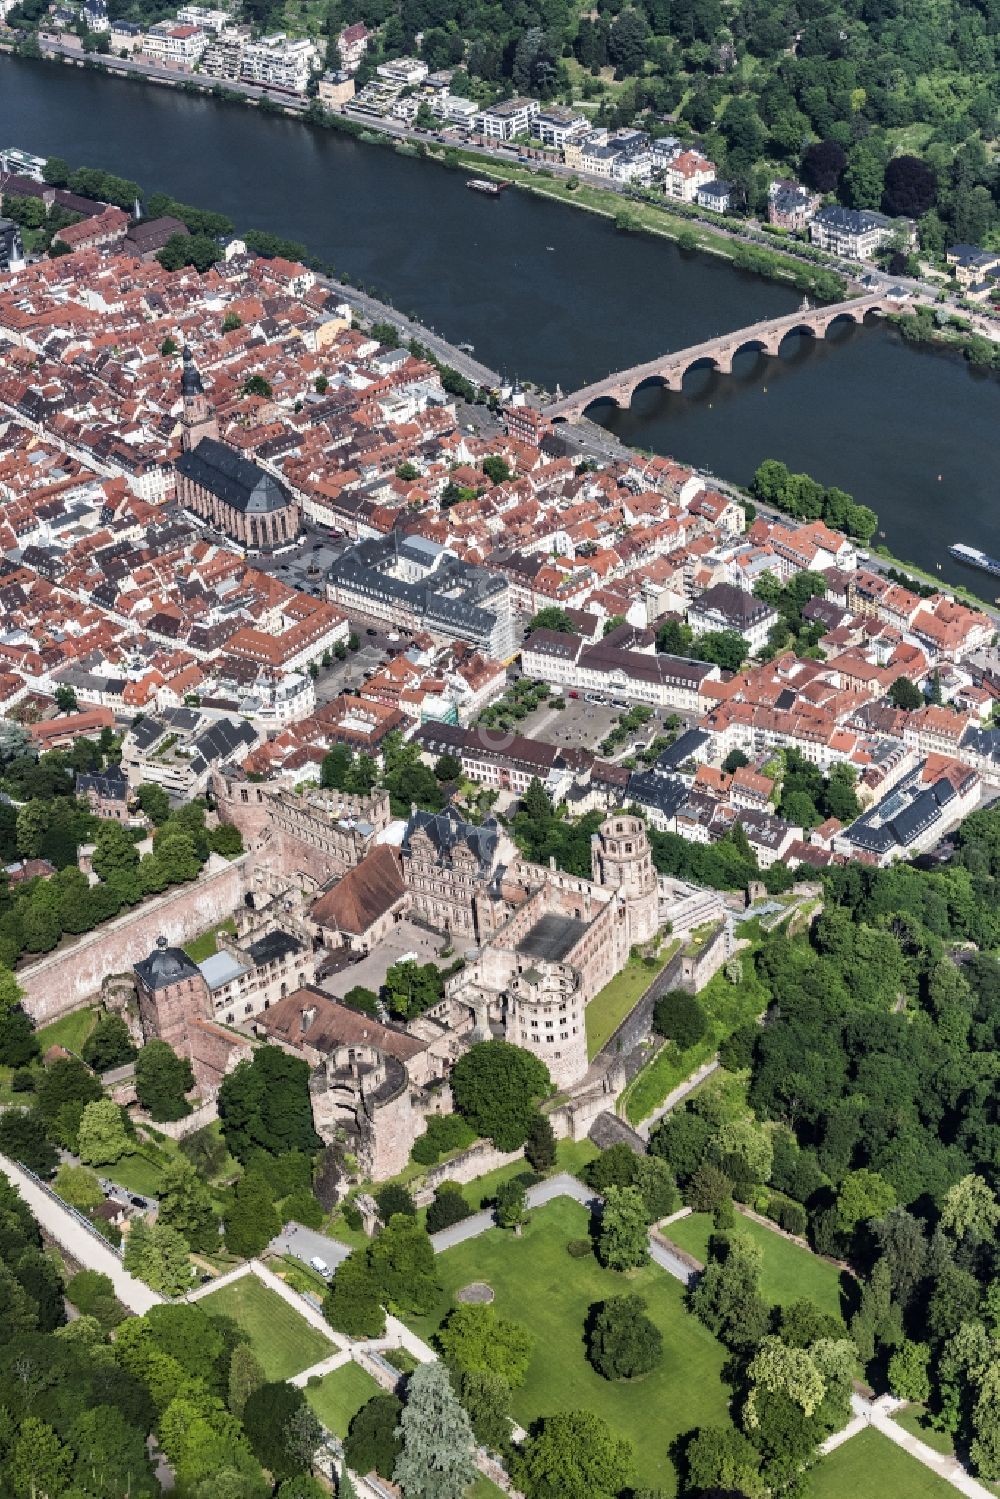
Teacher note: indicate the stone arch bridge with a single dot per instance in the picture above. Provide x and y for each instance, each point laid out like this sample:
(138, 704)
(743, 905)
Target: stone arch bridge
(767, 336)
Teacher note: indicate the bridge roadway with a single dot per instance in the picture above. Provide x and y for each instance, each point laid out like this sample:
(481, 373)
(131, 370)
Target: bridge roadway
(720, 351)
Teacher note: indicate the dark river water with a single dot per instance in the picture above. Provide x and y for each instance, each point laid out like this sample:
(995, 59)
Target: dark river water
(557, 296)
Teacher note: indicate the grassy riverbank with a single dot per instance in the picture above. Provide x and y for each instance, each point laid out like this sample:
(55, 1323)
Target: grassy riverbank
(637, 216)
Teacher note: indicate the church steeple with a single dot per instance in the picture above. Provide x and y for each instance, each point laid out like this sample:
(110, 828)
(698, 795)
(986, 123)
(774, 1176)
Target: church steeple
(198, 418)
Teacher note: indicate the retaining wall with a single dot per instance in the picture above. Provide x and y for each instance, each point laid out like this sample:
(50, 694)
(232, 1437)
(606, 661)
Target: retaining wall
(65, 979)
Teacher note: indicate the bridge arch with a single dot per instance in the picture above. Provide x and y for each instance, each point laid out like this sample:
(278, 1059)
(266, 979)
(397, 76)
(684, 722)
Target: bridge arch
(721, 363)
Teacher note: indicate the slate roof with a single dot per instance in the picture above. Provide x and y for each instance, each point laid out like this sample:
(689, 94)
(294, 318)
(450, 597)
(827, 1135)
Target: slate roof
(447, 830)
(236, 481)
(165, 966)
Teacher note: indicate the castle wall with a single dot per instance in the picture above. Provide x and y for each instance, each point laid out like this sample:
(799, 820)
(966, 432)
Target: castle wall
(64, 979)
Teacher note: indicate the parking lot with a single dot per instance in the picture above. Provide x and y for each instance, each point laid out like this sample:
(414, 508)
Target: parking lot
(584, 725)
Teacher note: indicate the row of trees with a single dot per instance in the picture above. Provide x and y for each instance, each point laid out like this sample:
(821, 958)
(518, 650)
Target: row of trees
(802, 497)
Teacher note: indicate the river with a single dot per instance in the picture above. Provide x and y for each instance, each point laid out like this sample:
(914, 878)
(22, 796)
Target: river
(557, 296)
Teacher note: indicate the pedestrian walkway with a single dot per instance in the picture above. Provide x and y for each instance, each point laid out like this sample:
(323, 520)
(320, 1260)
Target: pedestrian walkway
(325, 1366)
(84, 1245)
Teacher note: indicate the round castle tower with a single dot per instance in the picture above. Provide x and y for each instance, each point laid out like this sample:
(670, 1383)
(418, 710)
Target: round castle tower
(621, 860)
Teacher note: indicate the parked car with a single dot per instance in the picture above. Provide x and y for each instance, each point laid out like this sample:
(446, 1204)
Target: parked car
(320, 1266)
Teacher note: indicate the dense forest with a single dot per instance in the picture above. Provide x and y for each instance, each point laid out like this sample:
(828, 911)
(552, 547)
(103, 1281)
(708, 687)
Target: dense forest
(885, 105)
(862, 1112)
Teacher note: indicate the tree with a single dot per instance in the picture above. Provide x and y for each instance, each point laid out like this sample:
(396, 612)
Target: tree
(403, 1266)
(39, 1464)
(256, 385)
(155, 803)
(162, 1078)
(822, 165)
(476, 1339)
(372, 1441)
(103, 1137)
(394, 1198)
(246, 1374)
(486, 1398)
(449, 1206)
(622, 1241)
(65, 699)
(723, 1462)
(552, 617)
(231, 322)
(573, 1455)
(540, 1145)
(680, 1017)
(23, 1137)
(271, 1415)
(93, 1295)
(448, 768)
(622, 1342)
(353, 1302)
(511, 1204)
(186, 1204)
(251, 1219)
(158, 1255)
(908, 1378)
(78, 1186)
(903, 694)
(628, 40)
(496, 469)
(180, 250)
(863, 1194)
(910, 187)
(437, 1458)
(496, 1087)
(115, 855)
(264, 1103)
(727, 1298)
(109, 1045)
(18, 1042)
(411, 988)
(970, 1207)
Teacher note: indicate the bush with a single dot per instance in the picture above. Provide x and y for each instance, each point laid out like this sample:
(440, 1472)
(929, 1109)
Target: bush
(579, 1248)
(23, 1081)
(789, 1215)
(352, 1217)
(444, 1133)
(448, 1207)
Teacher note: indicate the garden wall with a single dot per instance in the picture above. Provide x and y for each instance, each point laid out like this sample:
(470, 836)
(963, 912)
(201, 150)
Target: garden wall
(64, 979)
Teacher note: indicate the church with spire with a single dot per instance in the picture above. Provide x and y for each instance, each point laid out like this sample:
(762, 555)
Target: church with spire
(215, 482)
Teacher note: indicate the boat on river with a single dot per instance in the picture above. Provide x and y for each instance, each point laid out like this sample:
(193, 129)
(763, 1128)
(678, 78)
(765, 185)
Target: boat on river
(487, 185)
(975, 558)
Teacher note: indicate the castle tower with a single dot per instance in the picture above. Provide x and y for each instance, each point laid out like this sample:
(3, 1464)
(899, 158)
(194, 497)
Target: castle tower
(545, 1014)
(172, 994)
(621, 860)
(198, 418)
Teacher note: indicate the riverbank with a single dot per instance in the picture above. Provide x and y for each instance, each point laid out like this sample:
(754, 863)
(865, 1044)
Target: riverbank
(636, 215)
(955, 334)
(631, 213)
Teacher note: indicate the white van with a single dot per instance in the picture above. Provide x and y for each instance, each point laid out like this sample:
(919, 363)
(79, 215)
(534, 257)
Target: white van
(320, 1266)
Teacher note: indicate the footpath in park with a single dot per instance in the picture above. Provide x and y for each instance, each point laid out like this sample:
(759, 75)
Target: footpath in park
(79, 1239)
(89, 1250)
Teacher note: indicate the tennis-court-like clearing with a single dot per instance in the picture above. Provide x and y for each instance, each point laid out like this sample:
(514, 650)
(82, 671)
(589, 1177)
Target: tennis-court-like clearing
(869, 1466)
(284, 1342)
(788, 1272)
(538, 1284)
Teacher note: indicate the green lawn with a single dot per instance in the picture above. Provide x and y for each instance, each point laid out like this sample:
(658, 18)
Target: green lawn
(728, 1006)
(788, 1272)
(203, 946)
(70, 1031)
(608, 1009)
(136, 1173)
(339, 1395)
(284, 1342)
(911, 1419)
(869, 1466)
(539, 1285)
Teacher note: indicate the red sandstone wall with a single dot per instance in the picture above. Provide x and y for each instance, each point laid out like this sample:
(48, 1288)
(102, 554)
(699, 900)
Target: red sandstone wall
(63, 980)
